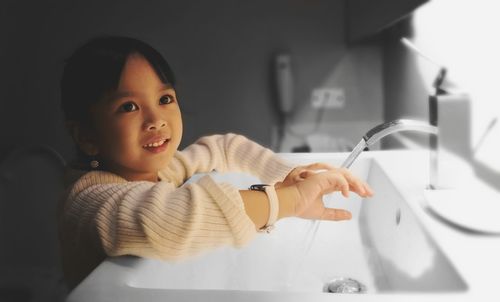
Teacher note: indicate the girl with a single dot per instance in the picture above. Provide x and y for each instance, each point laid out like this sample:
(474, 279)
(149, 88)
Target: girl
(125, 195)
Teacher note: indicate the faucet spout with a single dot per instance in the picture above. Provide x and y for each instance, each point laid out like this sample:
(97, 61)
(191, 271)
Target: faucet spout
(378, 132)
(382, 130)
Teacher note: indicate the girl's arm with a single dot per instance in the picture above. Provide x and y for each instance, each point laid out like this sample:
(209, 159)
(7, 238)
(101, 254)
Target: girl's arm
(304, 198)
(155, 220)
(229, 152)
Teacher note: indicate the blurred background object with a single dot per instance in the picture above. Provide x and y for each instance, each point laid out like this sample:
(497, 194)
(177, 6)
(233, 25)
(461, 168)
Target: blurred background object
(31, 184)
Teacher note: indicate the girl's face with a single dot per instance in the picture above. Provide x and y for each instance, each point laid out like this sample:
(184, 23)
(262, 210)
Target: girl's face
(139, 127)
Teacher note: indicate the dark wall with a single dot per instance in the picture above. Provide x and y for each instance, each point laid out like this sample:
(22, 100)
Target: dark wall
(220, 50)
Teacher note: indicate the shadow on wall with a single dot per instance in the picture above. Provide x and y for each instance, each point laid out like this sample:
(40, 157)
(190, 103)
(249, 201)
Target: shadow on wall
(487, 174)
(31, 183)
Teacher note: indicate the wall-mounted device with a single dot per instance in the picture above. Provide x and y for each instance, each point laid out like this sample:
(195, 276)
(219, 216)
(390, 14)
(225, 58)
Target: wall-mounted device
(284, 82)
(328, 98)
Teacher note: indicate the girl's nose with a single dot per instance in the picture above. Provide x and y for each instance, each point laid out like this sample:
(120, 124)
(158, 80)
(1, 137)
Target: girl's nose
(154, 122)
(155, 126)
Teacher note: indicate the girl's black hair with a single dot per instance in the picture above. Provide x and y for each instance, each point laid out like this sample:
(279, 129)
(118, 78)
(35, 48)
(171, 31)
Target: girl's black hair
(94, 70)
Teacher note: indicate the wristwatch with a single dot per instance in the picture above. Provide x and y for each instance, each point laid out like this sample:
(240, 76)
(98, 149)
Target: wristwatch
(273, 205)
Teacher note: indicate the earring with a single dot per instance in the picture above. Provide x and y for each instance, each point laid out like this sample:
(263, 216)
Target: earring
(94, 164)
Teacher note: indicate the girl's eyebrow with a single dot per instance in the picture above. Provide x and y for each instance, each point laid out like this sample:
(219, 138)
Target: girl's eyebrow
(165, 86)
(116, 95)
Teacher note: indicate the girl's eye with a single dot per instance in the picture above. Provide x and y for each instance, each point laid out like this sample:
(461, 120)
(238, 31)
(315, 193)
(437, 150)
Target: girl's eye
(166, 99)
(128, 107)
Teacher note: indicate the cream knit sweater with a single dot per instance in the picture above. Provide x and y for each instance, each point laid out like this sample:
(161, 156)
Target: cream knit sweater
(106, 215)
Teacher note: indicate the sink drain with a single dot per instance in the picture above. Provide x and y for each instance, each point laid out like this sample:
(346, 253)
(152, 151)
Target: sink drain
(344, 285)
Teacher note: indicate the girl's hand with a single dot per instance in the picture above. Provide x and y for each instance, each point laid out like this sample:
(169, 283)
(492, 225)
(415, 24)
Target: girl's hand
(312, 188)
(300, 173)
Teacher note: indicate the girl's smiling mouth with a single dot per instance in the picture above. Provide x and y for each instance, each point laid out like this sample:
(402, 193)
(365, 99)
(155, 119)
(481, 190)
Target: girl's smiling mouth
(157, 146)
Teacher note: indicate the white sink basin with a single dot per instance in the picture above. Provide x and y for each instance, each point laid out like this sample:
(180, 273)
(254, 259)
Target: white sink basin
(384, 246)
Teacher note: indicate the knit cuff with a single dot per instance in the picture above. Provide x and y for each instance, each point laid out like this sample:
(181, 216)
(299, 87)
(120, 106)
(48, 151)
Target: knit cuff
(261, 161)
(229, 200)
(276, 170)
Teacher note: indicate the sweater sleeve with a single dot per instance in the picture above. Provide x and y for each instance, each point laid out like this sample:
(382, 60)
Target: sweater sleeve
(156, 220)
(223, 153)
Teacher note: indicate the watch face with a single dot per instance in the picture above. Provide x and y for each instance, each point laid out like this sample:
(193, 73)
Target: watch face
(258, 187)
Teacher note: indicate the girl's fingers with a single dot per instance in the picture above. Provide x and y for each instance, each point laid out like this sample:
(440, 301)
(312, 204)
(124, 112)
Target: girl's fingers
(336, 214)
(336, 182)
(346, 182)
(370, 190)
(367, 190)
(345, 191)
(354, 183)
(357, 185)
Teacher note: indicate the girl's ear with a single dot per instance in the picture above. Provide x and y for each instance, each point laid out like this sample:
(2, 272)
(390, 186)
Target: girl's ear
(83, 138)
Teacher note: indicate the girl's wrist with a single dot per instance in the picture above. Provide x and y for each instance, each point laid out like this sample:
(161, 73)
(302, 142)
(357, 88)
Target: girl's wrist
(288, 197)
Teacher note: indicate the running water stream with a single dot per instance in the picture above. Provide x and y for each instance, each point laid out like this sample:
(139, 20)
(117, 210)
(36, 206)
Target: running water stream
(310, 235)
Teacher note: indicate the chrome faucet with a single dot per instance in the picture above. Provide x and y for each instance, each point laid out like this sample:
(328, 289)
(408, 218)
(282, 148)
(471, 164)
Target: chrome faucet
(382, 130)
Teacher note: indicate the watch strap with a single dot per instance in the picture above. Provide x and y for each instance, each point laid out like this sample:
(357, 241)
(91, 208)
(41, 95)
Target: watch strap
(273, 205)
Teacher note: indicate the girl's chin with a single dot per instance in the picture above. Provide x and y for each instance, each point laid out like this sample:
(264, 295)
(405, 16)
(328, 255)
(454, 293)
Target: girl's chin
(157, 163)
